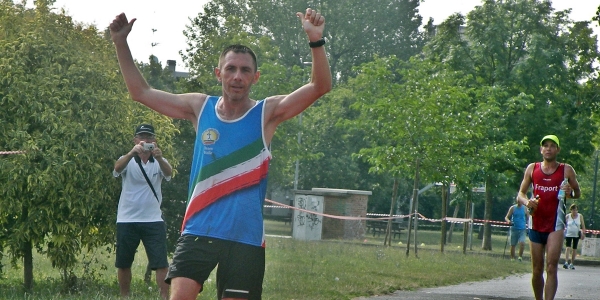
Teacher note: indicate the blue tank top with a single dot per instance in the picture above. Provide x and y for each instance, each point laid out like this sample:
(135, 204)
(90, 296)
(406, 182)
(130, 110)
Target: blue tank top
(519, 217)
(228, 179)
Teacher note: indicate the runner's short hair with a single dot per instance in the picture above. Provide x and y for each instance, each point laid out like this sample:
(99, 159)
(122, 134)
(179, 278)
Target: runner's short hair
(237, 48)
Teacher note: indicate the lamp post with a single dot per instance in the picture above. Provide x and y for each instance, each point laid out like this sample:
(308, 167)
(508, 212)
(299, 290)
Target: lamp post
(591, 222)
(297, 171)
(297, 160)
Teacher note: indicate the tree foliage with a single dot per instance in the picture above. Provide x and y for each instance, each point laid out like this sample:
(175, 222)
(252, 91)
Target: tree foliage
(483, 92)
(356, 30)
(525, 47)
(63, 102)
(527, 50)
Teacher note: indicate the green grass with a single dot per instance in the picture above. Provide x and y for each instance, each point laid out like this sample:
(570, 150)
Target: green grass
(345, 271)
(294, 270)
(274, 227)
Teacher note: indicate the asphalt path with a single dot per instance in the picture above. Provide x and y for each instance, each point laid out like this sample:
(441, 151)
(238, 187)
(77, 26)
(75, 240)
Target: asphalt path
(583, 283)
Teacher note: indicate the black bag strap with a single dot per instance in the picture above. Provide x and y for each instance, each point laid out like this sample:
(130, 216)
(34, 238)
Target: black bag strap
(139, 162)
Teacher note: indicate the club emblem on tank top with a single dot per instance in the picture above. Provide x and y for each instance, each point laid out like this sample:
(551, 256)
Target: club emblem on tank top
(210, 136)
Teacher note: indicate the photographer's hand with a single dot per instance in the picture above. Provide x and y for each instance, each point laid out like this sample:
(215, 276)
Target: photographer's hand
(122, 162)
(136, 150)
(157, 153)
(165, 167)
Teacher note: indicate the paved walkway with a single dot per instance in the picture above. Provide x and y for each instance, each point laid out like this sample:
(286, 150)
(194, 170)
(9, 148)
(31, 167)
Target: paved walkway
(579, 284)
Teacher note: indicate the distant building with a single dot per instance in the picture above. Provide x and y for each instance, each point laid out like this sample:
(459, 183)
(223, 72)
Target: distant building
(461, 30)
(171, 64)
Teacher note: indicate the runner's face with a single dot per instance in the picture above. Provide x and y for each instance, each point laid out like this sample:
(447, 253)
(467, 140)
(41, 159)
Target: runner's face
(549, 150)
(237, 74)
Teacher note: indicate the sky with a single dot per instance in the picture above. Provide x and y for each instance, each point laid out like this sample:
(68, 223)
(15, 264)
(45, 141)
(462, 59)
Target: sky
(169, 18)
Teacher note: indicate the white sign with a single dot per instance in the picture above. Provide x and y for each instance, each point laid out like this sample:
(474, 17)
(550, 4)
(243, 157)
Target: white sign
(479, 189)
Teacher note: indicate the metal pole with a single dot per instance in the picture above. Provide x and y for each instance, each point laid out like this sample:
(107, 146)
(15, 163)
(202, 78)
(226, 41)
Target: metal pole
(506, 243)
(296, 176)
(297, 160)
(297, 171)
(415, 225)
(591, 222)
(471, 226)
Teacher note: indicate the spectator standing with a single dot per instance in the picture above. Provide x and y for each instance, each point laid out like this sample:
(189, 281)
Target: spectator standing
(575, 231)
(139, 217)
(517, 218)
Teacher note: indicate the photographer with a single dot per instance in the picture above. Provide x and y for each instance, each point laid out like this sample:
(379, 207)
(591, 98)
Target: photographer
(139, 216)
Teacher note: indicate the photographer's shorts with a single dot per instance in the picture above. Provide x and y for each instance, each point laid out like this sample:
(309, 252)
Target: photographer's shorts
(240, 270)
(154, 237)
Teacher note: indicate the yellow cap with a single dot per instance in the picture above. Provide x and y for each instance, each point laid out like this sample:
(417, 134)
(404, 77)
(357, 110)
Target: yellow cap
(551, 137)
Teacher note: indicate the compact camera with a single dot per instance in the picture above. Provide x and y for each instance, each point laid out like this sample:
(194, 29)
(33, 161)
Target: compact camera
(148, 147)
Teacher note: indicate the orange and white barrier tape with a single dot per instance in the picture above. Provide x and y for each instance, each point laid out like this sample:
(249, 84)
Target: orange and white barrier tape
(592, 231)
(372, 216)
(11, 152)
(281, 205)
(492, 222)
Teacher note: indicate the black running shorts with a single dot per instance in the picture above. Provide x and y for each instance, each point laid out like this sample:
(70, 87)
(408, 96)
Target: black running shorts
(240, 270)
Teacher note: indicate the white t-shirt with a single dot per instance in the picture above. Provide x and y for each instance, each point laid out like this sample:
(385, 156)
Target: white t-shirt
(137, 202)
(573, 226)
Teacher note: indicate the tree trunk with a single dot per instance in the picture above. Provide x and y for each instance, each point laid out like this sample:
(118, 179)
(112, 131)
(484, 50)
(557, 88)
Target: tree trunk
(409, 225)
(1, 257)
(414, 207)
(27, 266)
(467, 225)
(487, 227)
(444, 213)
(388, 231)
(454, 215)
(27, 251)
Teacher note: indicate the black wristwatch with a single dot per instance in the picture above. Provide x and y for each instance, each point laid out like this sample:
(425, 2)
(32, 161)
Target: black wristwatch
(317, 44)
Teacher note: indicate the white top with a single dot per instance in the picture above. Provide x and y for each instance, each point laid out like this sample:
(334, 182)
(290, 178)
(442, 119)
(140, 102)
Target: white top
(137, 202)
(573, 226)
